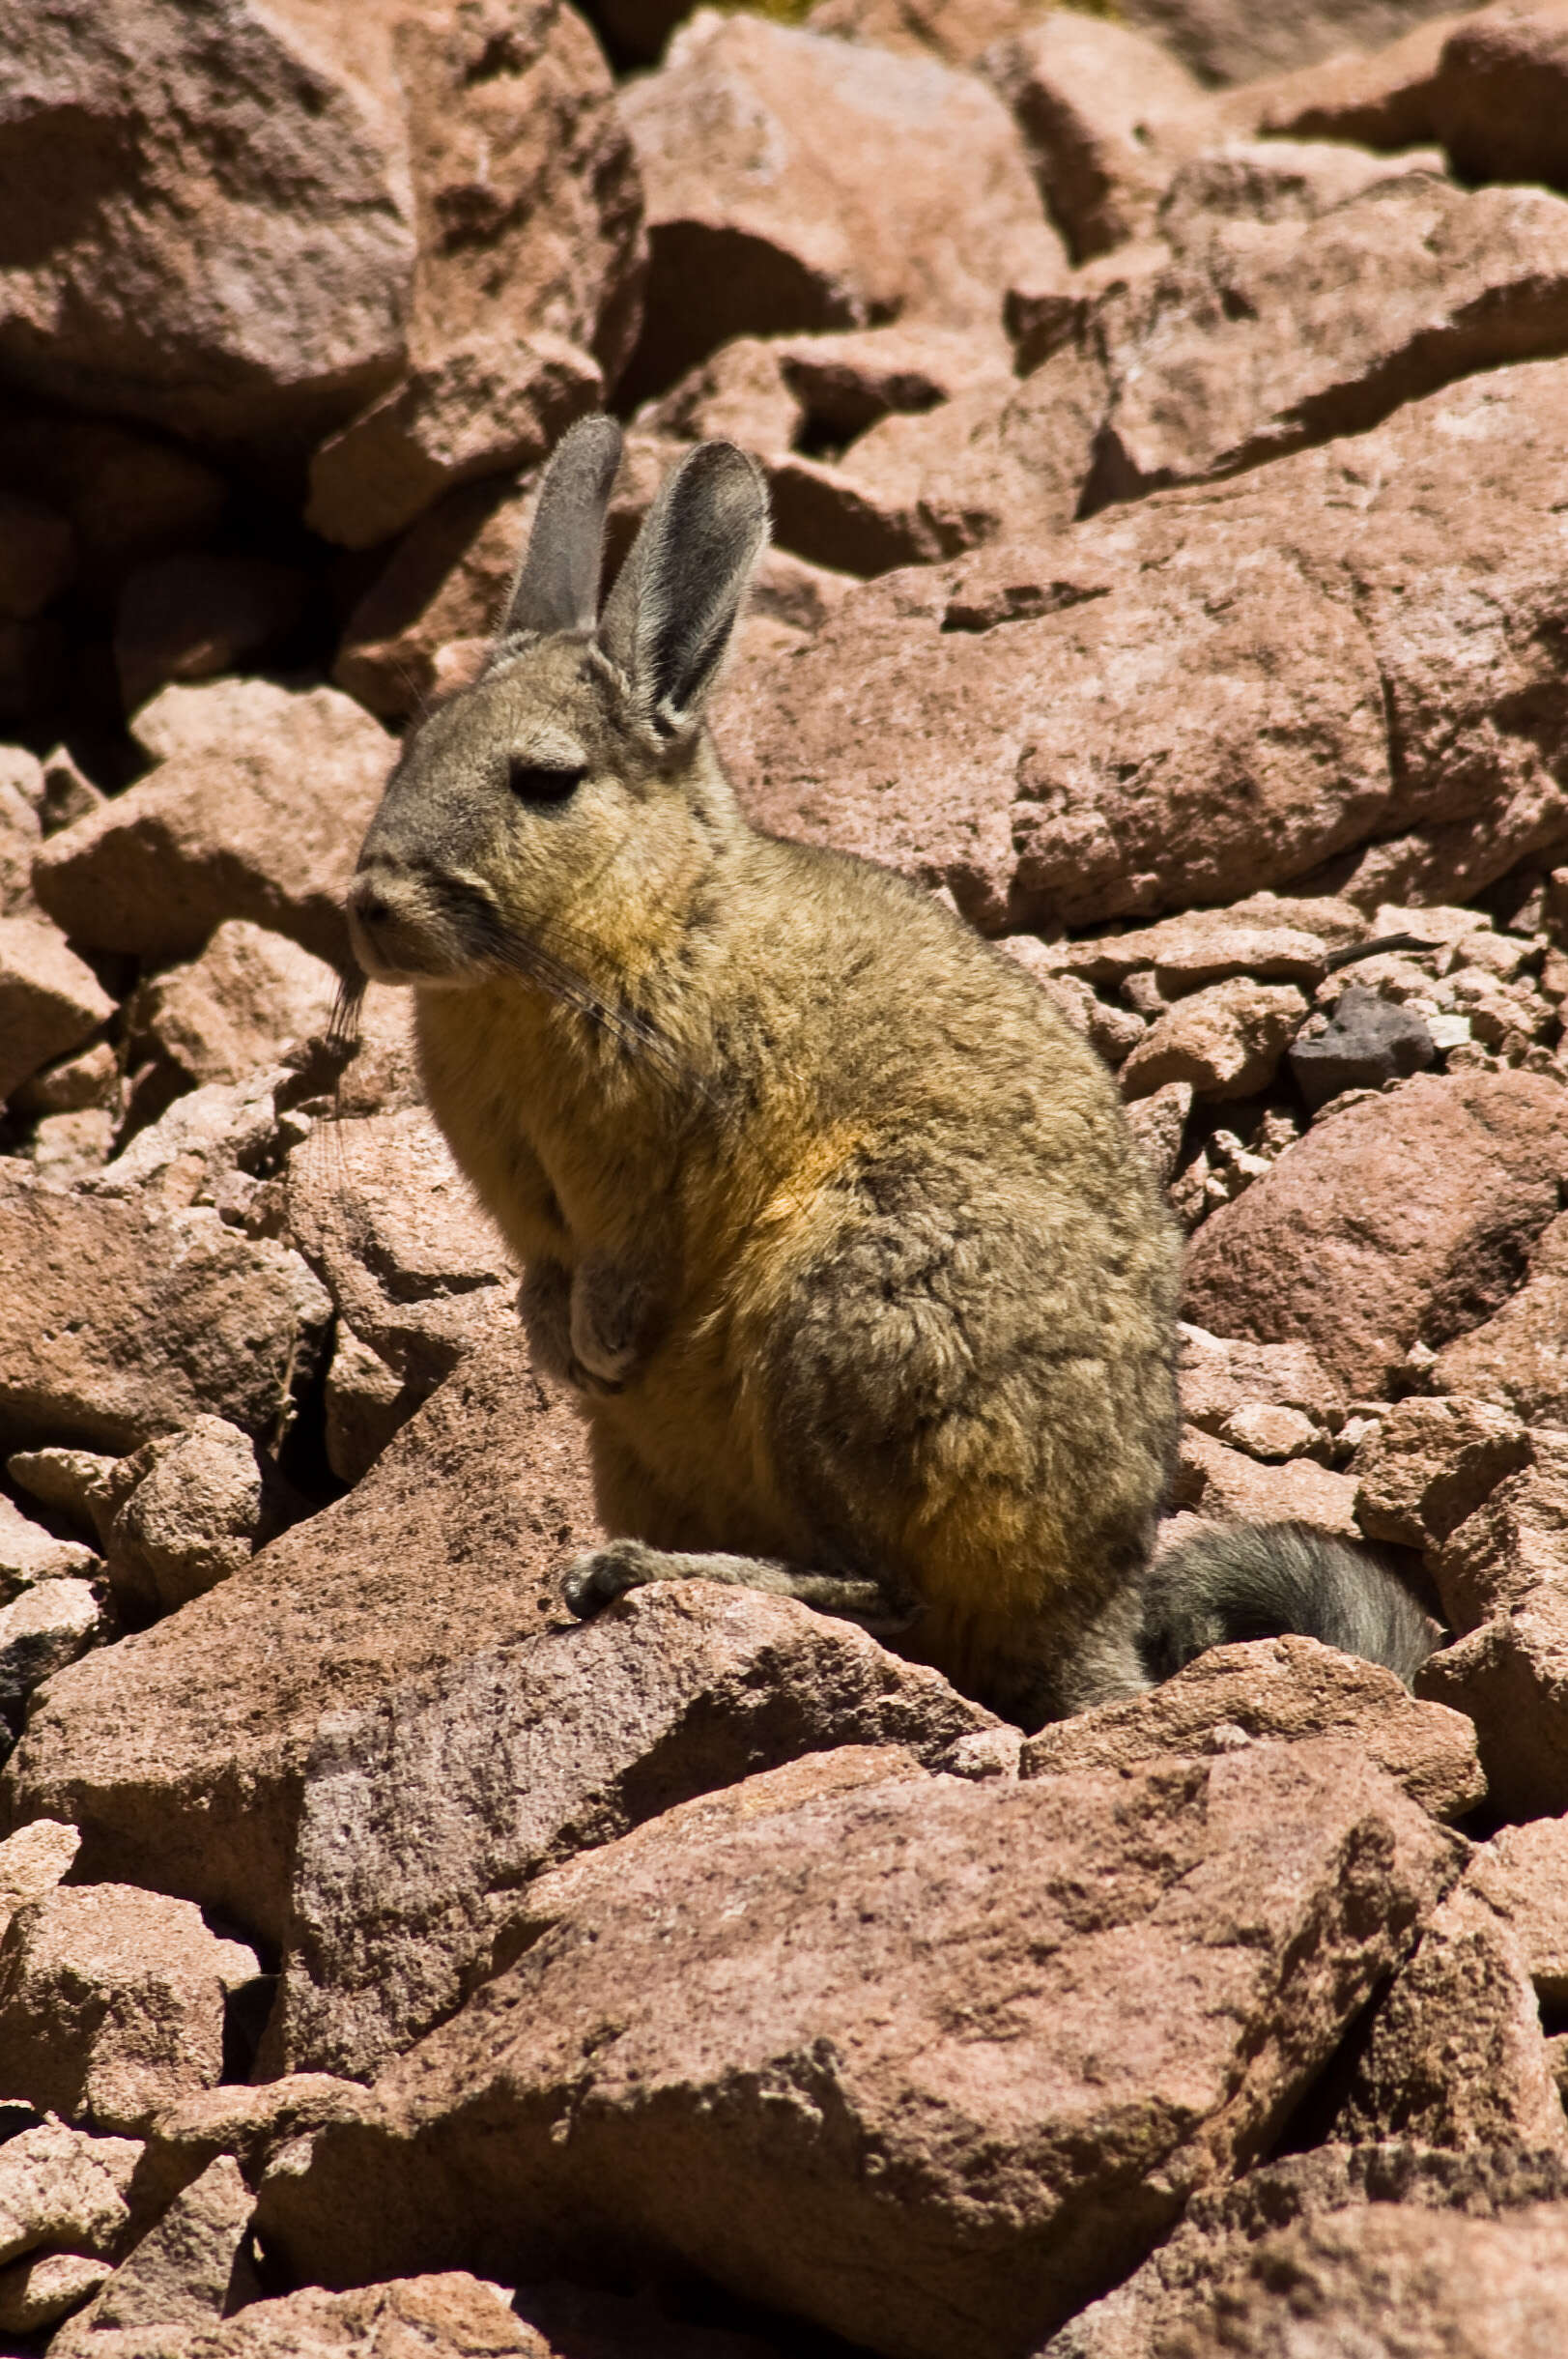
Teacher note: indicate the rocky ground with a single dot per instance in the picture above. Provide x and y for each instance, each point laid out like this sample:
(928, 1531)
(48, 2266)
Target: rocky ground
(1166, 420)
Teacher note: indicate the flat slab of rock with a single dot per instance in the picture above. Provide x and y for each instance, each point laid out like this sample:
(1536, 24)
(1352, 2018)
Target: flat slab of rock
(1187, 700)
(180, 1753)
(120, 1320)
(1275, 1691)
(425, 1815)
(1407, 1218)
(920, 2062)
(256, 810)
(1266, 335)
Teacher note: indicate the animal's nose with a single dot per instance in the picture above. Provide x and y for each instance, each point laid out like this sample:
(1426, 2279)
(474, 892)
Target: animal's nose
(367, 903)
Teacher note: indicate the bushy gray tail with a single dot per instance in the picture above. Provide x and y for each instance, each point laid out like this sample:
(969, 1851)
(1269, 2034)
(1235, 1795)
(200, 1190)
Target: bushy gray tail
(1262, 1580)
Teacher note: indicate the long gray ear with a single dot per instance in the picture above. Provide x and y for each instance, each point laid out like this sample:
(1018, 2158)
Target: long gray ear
(668, 620)
(556, 587)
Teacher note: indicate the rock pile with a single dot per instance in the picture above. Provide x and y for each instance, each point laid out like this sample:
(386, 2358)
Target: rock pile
(1165, 426)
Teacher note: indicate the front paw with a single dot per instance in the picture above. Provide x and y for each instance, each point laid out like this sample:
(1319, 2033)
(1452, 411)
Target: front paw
(596, 1580)
(609, 1322)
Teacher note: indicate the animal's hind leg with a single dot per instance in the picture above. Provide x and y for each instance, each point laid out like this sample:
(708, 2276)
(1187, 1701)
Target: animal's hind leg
(594, 1581)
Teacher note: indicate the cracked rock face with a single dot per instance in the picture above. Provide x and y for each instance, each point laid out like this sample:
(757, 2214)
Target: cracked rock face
(809, 2028)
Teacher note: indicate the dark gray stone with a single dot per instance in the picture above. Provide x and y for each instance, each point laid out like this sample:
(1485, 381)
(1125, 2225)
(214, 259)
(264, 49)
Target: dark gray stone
(1368, 1041)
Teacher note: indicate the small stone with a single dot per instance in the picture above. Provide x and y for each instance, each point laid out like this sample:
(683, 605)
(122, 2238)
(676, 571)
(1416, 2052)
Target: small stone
(90, 1079)
(50, 1000)
(1430, 1464)
(61, 2186)
(35, 2292)
(29, 1553)
(185, 1511)
(1265, 1430)
(1367, 1043)
(42, 1629)
(32, 1861)
(1226, 1040)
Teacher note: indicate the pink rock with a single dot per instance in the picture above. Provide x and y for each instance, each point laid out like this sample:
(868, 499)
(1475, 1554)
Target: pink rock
(111, 2003)
(256, 810)
(1518, 1357)
(1087, 727)
(50, 1000)
(1511, 1677)
(1266, 338)
(1130, 1961)
(1407, 1218)
(1226, 1040)
(487, 404)
(1228, 1486)
(1275, 1691)
(794, 182)
(1516, 1537)
(1229, 40)
(180, 1753)
(1395, 2282)
(1430, 1464)
(1498, 93)
(249, 997)
(253, 296)
(120, 1320)
(1456, 2055)
(447, 1800)
(1090, 98)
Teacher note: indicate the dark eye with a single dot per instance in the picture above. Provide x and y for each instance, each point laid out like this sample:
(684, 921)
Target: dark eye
(532, 782)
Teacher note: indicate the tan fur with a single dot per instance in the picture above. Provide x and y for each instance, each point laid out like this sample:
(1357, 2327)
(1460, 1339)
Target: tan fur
(834, 1223)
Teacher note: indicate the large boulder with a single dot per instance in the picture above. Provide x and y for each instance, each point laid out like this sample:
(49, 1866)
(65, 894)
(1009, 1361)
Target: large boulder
(923, 2063)
(1265, 335)
(1408, 1218)
(212, 227)
(427, 1813)
(527, 289)
(1201, 695)
(795, 183)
